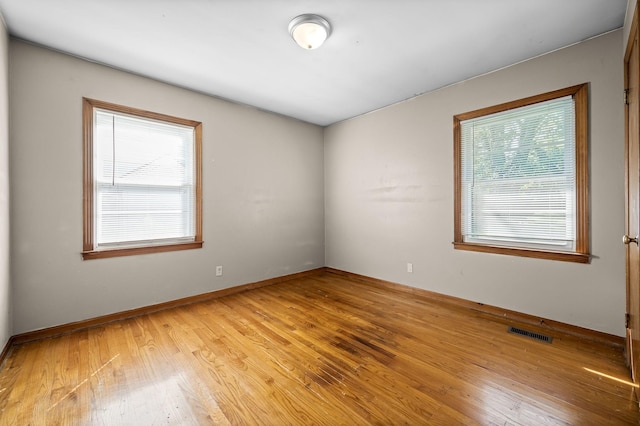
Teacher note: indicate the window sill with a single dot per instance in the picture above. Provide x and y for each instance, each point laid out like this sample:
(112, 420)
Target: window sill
(131, 251)
(512, 251)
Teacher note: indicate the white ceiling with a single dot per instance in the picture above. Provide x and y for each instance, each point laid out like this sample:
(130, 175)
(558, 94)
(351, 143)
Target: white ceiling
(380, 51)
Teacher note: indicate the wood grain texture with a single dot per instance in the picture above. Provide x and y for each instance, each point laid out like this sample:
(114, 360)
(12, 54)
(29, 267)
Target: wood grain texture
(632, 196)
(519, 317)
(320, 349)
(72, 327)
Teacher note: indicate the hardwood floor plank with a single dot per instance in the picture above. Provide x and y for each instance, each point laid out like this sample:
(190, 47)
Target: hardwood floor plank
(319, 349)
(323, 373)
(293, 369)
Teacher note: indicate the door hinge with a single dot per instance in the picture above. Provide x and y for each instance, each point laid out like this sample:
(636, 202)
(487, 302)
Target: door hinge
(627, 320)
(626, 96)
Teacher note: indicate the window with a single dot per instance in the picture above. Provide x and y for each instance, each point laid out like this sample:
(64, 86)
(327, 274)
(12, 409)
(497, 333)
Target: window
(142, 181)
(521, 178)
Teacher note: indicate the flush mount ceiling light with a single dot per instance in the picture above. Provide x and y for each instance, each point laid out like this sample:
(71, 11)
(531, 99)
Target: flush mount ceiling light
(309, 30)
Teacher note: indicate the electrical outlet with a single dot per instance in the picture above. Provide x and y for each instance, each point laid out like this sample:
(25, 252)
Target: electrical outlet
(410, 267)
(218, 271)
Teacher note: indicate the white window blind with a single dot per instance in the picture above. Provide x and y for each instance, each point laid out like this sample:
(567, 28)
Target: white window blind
(518, 177)
(144, 181)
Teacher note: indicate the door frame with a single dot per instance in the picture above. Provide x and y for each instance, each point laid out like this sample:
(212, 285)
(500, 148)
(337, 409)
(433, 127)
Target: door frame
(633, 36)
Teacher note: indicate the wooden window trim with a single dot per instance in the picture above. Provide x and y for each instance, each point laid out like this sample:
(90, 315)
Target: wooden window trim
(581, 253)
(88, 245)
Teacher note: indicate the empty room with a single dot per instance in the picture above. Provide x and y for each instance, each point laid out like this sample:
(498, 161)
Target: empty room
(319, 212)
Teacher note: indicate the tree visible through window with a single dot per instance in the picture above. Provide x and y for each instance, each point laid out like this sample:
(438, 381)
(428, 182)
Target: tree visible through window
(521, 177)
(142, 181)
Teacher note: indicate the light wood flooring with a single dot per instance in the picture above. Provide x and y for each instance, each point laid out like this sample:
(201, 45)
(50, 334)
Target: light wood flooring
(322, 350)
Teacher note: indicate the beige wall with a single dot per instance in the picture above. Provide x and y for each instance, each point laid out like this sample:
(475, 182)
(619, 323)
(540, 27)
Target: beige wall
(263, 194)
(389, 194)
(380, 193)
(6, 329)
